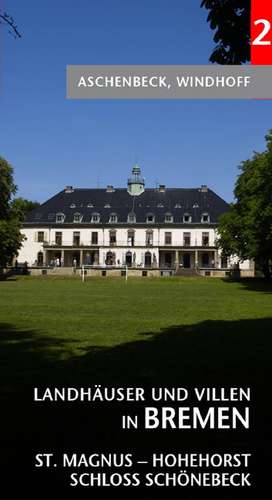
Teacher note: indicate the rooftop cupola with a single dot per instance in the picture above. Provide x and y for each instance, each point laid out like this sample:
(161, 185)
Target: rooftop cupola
(136, 183)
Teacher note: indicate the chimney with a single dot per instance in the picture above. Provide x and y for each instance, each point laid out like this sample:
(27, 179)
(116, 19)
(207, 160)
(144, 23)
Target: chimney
(204, 188)
(110, 189)
(161, 188)
(68, 189)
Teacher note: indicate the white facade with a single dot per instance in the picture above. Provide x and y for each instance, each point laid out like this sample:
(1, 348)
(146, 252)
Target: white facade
(168, 247)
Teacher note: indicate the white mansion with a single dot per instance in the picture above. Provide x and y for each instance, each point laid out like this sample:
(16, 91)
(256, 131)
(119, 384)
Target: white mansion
(163, 229)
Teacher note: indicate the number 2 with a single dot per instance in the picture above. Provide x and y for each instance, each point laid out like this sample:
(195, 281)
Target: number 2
(267, 26)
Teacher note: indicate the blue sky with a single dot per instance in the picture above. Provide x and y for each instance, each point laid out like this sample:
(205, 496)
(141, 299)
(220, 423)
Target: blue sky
(52, 141)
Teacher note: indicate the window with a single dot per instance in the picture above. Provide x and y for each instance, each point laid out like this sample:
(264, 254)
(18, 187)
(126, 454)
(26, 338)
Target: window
(94, 238)
(76, 238)
(40, 236)
(205, 218)
(90, 205)
(149, 238)
(177, 205)
(186, 239)
(72, 205)
(131, 218)
(107, 205)
(160, 205)
(131, 236)
(168, 238)
(195, 205)
(58, 238)
(112, 237)
(113, 218)
(77, 217)
(150, 218)
(205, 239)
(168, 217)
(187, 218)
(59, 217)
(95, 218)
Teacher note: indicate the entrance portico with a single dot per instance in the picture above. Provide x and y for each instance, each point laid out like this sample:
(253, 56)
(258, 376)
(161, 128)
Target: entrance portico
(188, 258)
(67, 257)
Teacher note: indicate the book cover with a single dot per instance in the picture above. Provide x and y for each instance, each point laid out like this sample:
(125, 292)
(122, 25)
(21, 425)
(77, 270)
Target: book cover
(135, 248)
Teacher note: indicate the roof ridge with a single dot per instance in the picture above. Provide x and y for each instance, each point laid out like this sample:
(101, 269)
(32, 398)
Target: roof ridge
(125, 189)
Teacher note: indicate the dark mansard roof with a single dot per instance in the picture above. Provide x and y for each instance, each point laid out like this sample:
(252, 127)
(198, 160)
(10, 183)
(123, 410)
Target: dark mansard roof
(176, 202)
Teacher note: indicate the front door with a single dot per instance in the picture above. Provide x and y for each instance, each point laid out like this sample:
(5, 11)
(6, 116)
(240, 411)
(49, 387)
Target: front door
(187, 260)
(147, 259)
(168, 260)
(205, 260)
(76, 259)
(129, 259)
(40, 259)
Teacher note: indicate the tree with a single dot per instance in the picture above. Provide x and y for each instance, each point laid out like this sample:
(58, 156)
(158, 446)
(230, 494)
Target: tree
(24, 207)
(231, 20)
(246, 230)
(8, 21)
(10, 218)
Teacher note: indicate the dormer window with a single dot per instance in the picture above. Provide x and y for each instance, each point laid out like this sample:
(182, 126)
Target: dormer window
(113, 218)
(60, 217)
(90, 205)
(72, 205)
(95, 218)
(131, 218)
(168, 217)
(205, 218)
(77, 217)
(150, 218)
(187, 218)
(107, 205)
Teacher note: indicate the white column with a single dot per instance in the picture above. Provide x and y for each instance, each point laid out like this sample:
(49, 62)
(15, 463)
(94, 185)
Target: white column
(196, 258)
(176, 259)
(62, 258)
(81, 258)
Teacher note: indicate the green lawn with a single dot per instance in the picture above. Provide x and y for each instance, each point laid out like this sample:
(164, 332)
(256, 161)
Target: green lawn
(62, 319)
(107, 312)
(163, 332)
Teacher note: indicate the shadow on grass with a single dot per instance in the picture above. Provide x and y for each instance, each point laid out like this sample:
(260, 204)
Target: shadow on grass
(7, 279)
(207, 354)
(252, 284)
(210, 352)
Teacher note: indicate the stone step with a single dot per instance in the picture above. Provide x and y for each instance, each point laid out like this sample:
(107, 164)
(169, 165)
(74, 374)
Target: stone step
(186, 272)
(60, 270)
